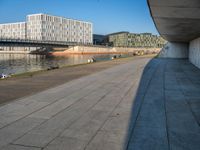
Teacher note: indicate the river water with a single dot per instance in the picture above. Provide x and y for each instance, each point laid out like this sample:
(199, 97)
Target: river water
(21, 63)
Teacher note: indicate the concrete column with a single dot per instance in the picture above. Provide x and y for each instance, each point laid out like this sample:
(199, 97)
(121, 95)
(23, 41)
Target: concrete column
(194, 52)
(175, 50)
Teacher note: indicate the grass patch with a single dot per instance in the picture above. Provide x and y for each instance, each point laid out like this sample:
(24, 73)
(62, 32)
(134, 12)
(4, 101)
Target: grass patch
(28, 74)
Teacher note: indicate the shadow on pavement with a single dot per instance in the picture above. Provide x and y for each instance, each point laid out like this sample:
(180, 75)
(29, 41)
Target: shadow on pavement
(165, 114)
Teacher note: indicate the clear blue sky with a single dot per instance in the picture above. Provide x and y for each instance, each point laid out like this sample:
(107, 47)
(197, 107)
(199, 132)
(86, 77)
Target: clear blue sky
(107, 15)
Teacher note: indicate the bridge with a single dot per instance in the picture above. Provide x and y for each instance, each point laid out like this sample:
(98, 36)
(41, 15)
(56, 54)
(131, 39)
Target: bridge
(35, 43)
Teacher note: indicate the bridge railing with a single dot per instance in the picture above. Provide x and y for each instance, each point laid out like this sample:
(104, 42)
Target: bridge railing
(40, 41)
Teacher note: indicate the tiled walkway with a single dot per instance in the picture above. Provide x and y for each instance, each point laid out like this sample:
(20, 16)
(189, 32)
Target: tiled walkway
(96, 112)
(168, 112)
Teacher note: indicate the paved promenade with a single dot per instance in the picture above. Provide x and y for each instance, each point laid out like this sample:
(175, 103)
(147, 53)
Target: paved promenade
(32, 83)
(143, 104)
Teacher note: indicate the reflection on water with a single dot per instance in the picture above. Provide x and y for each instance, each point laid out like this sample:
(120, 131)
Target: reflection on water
(20, 63)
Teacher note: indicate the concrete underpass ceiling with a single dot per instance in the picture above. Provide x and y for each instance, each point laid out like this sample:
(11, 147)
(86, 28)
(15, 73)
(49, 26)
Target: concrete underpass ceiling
(176, 20)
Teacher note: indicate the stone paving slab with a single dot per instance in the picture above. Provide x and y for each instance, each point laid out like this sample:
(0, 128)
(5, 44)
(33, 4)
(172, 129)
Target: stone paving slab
(18, 147)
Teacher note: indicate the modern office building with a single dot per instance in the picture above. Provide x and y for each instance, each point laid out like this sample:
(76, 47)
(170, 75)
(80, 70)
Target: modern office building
(49, 28)
(13, 30)
(126, 39)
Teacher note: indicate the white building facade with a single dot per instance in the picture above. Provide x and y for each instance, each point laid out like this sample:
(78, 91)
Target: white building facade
(51, 28)
(13, 30)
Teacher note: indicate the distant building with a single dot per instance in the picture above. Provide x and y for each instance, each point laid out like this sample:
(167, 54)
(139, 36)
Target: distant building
(126, 39)
(49, 28)
(99, 39)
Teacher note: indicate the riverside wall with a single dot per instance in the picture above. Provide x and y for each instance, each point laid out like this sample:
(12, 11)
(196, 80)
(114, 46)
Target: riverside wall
(103, 50)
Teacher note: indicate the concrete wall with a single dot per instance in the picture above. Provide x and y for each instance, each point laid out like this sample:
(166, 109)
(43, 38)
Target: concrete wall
(104, 50)
(17, 50)
(194, 52)
(174, 50)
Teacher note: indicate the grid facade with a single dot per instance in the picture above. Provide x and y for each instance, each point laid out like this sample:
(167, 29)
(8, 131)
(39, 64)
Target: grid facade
(126, 39)
(51, 28)
(13, 30)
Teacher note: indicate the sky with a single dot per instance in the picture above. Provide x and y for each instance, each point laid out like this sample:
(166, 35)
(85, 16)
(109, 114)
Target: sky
(107, 16)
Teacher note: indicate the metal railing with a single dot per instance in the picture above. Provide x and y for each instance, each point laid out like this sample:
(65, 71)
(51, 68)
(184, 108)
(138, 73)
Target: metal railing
(28, 41)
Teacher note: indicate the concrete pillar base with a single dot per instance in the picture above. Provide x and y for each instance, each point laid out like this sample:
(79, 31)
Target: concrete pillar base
(194, 52)
(174, 50)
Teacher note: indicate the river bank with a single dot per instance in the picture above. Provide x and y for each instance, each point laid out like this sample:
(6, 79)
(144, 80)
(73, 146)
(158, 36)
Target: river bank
(12, 64)
(31, 83)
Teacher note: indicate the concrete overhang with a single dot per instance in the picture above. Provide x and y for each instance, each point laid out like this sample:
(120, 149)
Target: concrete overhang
(176, 20)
